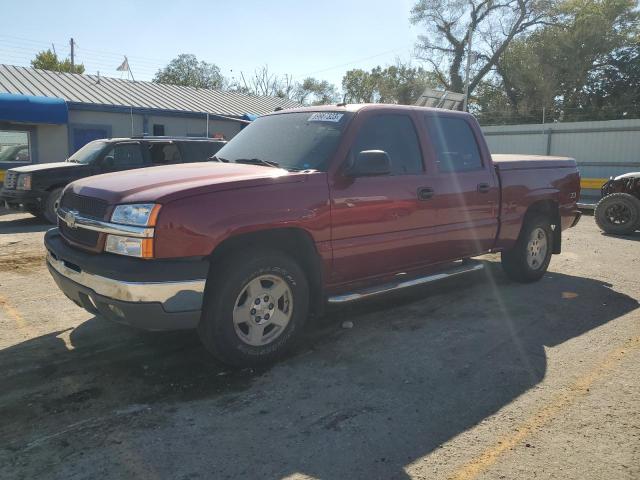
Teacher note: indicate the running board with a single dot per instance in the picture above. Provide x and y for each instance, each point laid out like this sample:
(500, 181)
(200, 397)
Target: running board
(465, 267)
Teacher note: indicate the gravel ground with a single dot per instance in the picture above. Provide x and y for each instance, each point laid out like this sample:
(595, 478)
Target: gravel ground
(473, 378)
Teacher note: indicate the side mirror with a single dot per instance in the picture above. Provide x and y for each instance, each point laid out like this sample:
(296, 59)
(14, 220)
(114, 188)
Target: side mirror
(369, 163)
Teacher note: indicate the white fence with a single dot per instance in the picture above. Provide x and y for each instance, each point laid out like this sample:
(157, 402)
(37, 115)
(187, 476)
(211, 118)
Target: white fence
(602, 149)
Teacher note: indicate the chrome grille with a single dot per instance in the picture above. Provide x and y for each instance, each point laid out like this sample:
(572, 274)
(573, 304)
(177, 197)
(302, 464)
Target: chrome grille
(10, 180)
(79, 235)
(89, 206)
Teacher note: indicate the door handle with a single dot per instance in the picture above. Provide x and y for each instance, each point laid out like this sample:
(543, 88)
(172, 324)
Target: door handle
(483, 188)
(425, 193)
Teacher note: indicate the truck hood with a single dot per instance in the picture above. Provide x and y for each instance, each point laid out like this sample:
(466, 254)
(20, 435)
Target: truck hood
(47, 166)
(171, 182)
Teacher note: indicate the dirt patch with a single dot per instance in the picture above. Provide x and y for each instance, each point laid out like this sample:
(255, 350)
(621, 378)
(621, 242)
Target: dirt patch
(17, 262)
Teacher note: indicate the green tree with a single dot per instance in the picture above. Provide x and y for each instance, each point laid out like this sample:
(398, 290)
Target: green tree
(575, 67)
(315, 92)
(493, 25)
(401, 83)
(614, 91)
(398, 83)
(358, 86)
(185, 70)
(48, 60)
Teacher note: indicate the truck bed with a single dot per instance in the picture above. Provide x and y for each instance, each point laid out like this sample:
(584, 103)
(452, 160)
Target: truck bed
(555, 178)
(528, 162)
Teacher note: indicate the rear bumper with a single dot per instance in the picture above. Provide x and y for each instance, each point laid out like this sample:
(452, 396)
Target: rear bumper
(150, 294)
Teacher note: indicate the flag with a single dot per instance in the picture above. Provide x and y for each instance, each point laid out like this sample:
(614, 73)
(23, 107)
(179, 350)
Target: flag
(124, 66)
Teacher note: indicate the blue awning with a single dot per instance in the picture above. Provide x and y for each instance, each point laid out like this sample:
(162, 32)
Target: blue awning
(28, 109)
(249, 116)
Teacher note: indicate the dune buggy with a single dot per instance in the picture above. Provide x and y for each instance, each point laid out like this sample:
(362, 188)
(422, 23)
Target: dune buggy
(618, 211)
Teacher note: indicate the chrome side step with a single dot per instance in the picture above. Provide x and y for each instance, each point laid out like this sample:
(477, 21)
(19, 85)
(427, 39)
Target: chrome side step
(465, 267)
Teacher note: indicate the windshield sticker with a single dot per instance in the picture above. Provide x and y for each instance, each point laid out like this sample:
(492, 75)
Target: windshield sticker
(326, 117)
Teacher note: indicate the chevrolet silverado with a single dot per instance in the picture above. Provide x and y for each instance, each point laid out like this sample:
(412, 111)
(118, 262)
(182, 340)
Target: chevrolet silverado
(303, 207)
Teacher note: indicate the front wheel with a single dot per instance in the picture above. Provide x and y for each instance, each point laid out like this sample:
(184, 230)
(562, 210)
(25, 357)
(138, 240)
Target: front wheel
(529, 259)
(51, 204)
(254, 308)
(618, 214)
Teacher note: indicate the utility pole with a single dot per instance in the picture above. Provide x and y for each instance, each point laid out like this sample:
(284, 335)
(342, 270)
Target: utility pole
(466, 77)
(72, 43)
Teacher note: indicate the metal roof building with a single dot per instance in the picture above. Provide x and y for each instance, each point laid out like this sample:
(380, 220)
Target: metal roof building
(80, 89)
(57, 113)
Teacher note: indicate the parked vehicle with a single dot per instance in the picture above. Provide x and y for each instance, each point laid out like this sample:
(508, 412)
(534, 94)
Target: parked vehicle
(14, 153)
(37, 188)
(305, 206)
(618, 211)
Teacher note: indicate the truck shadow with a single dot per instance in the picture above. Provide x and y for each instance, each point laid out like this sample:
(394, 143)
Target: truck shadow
(634, 237)
(21, 223)
(417, 369)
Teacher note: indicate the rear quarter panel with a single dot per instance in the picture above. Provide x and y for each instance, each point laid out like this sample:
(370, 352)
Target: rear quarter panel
(521, 188)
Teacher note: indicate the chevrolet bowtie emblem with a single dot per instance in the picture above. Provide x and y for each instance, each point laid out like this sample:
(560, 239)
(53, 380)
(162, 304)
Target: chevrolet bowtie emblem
(70, 218)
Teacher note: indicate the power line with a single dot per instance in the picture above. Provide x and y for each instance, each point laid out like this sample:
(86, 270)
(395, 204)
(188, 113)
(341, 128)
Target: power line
(103, 59)
(352, 62)
(35, 46)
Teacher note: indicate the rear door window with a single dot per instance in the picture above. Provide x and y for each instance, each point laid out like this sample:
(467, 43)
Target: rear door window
(162, 153)
(195, 151)
(198, 151)
(396, 135)
(454, 144)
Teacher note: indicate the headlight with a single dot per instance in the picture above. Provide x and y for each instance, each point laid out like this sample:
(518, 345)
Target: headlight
(137, 214)
(24, 182)
(132, 247)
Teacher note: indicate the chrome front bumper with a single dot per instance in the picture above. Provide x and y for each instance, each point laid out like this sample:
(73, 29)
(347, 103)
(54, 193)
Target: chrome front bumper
(148, 294)
(173, 296)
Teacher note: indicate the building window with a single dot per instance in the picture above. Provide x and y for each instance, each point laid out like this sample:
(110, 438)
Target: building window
(158, 130)
(14, 146)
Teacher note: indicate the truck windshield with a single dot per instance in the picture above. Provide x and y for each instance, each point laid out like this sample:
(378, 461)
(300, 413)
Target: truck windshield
(294, 141)
(88, 153)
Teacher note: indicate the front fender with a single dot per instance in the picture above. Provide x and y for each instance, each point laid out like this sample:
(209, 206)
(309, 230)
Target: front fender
(196, 225)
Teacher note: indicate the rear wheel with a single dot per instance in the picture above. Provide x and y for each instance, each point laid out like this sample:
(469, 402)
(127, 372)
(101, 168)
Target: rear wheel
(51, 204)
(254, 308)
(618, 213)
(529, 259)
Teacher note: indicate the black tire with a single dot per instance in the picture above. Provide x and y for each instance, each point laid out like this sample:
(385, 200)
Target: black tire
(618, 214)
(516, 262)
(36, 212)
(227, 283)
(51, 204)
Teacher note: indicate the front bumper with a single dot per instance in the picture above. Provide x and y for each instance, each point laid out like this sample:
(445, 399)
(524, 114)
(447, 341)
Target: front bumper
(148, 294)
(15, 198)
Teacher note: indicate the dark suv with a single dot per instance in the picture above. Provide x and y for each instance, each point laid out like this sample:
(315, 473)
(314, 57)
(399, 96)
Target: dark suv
(37, 188)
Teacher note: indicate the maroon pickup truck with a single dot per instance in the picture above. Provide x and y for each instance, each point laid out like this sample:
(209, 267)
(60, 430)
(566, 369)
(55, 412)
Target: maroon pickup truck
(304, 207)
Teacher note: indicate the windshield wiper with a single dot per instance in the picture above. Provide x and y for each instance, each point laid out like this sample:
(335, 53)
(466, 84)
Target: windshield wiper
(218, 159)
(258, 161)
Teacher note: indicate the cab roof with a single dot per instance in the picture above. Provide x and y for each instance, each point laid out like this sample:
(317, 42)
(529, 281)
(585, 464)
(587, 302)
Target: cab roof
(356, 107)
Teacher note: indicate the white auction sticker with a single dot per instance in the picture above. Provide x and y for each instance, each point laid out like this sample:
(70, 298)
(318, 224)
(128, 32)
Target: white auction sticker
(325, 117)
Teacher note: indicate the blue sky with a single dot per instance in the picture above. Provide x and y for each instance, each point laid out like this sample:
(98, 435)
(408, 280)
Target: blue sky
(301, 38)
